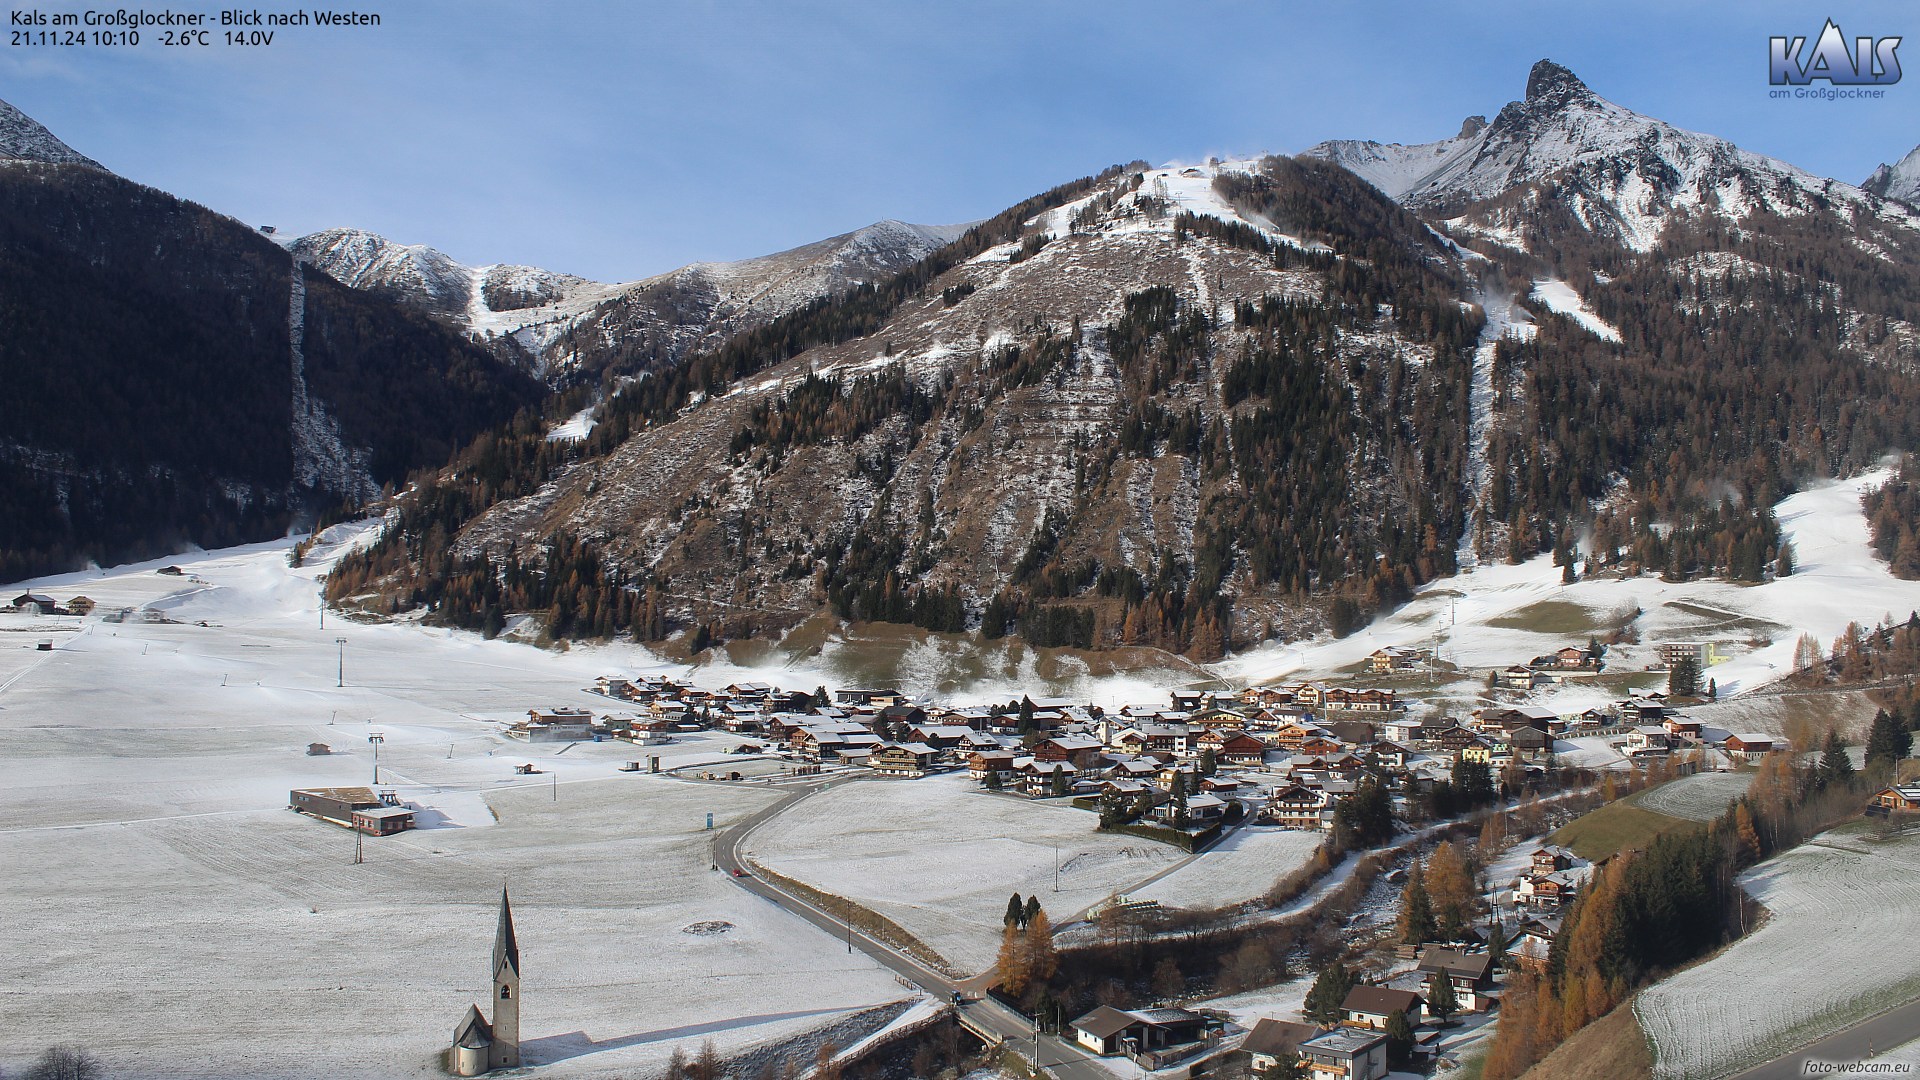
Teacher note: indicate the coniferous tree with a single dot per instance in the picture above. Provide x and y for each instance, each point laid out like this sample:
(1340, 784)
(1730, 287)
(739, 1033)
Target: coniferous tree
(1836, 768)
(1888, 741)
(1328, 993)
(1442, 1001)
(1417, 926)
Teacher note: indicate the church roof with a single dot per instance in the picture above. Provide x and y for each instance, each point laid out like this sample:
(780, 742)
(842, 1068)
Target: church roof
(506, 949)
(474, 1033)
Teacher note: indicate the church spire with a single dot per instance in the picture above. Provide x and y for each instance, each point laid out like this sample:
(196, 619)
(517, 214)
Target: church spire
(506, 950)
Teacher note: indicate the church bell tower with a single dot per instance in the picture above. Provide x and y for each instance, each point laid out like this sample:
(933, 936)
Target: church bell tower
(505, 1052)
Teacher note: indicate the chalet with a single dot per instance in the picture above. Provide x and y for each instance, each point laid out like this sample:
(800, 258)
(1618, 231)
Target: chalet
(1353, 732)
(1507, 719)
(1275, 1043)
(615, 687)
(1290, 736)
(554, 725)
(1081, 752)
(1471, 974)
(739, 716)
(1107, 1031)
(1649, 737)
(1320, 746)
(903, 715)
(1531, 944)
(1681, 727)
(1188, 700)
(36, 603)
(1398, 658)
(1220, 785)
(1275, 717)
(1750, 746)
(80, 605)
(1571, 658)
(1304, 693)
(940, 737)
(1265, 697)
(1453, 739)
(1345, 1054)
(1372, 1006)
(1036, 778)
(1403, 731)
(862, 696)
(1900, 798)
(1340, 698)
(1484, 749)
(1517, 677)
(1530, 743)
(1153, 739)
(1548, 892)
(1218, 720)
(1392, 755)
(902, 759)
(991, 762)
(1235, 747)
(1298, 807)
(1202, 810)
(1547, 860)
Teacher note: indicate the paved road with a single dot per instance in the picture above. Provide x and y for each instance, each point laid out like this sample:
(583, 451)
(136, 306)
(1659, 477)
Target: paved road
(1056, 1057)
(1861, 1042)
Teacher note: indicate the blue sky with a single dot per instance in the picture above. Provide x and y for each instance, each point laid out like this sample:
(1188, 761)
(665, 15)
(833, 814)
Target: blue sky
(616, 140)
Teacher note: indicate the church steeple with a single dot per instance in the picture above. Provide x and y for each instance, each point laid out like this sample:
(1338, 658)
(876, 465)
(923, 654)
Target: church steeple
(506, 950)
(505, 1052)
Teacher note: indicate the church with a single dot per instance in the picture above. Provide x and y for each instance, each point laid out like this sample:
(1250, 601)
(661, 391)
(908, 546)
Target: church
(480, 1047)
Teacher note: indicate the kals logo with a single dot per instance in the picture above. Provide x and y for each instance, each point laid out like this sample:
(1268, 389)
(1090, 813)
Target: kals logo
(1872, 62)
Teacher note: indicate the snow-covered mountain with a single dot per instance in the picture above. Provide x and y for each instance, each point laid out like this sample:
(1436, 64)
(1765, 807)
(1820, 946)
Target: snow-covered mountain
(562, 325)
(1619, 174)
(22, 138)
(1900, 180)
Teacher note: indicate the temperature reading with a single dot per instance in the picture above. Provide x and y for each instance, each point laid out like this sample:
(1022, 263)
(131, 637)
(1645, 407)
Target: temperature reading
(184, 37)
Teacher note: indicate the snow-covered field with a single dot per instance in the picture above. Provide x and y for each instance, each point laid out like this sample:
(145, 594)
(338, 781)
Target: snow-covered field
(1701, 797)
(940, 857)
(1502, 614)
(1243, 866)
(1835, 950)
(164, 910)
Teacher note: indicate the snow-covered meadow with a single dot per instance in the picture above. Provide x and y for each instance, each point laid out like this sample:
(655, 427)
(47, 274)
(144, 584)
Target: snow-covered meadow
(164, 910)
(940, 857)
(1833, 951)
(1701, 797)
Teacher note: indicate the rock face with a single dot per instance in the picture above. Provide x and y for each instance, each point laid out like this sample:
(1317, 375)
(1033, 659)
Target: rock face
(1900, 180)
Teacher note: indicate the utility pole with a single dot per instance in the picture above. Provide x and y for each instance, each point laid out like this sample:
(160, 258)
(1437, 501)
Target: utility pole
(1056, 866)
(341, 678)
(358, 838)
(846, 916)
(556, 787)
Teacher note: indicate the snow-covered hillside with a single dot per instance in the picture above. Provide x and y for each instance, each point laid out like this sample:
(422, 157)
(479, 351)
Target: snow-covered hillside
(22, 138)
(1503, 614)
(1621, 174)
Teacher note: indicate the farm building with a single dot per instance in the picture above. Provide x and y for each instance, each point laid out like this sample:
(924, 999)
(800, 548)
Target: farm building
(358, 808)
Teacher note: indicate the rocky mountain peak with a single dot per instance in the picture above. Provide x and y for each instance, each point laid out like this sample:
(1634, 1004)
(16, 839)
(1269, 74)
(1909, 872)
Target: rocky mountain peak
(1548, 82)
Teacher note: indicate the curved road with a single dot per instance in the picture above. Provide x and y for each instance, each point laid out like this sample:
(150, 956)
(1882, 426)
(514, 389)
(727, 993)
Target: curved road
(1053, 1056)
(1861, 1042)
